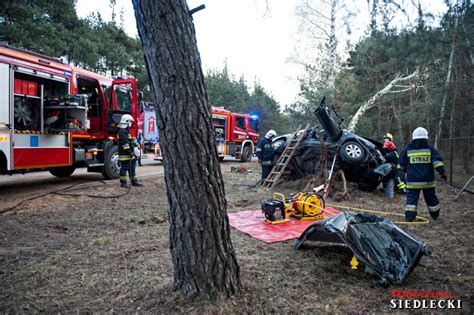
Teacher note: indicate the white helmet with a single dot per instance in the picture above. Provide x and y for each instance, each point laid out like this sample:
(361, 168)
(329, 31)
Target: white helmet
(126, 121)
(270, 134)
(419, 133)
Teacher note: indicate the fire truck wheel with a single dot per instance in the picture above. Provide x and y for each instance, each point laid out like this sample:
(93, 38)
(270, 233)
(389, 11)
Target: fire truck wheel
(246, 154)
(111, 163)
(62, 171)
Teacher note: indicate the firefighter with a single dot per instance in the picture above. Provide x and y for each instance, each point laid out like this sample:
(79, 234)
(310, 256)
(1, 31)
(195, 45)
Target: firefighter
(265, 153)
(388, 137)
(126, 151)
(396, 176)
(420, 159)
(391, 156)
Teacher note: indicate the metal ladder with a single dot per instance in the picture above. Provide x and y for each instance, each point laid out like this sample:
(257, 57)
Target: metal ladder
(285, 157)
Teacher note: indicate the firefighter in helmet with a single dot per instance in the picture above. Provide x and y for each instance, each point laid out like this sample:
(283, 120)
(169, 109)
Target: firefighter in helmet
(265, 153)
(388, 137)
(127, 152)
(420, 159)
(395, 176)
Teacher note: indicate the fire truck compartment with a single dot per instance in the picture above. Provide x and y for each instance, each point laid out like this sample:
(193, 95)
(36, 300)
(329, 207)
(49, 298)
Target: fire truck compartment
(41, 102)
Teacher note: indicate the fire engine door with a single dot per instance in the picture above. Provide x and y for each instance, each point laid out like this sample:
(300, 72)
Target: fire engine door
(220, 124)
(5, 120)
(123, 100)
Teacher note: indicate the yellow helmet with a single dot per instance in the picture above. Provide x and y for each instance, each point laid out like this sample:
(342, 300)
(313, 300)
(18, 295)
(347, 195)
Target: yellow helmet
(388, 136)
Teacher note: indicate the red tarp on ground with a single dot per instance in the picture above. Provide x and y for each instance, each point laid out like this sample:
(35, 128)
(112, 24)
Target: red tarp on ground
(252, 222)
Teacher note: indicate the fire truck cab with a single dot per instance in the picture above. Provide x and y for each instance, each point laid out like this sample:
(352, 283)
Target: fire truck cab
(236, 134)
(59, 117)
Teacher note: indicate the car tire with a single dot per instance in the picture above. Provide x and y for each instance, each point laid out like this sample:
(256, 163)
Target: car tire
(62, 171)
(111, 163)
(352, 152)
(139, 158)
(246, 154)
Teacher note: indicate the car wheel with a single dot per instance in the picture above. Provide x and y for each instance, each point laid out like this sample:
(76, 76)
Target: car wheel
(111, 163)
(352, 152)
(246, 154)
(62, 171)
(139, 158)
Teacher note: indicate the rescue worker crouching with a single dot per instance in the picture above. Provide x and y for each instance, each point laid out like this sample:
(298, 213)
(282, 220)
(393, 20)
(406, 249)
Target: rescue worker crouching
(420, 159)
(265, 153)
(126, 151)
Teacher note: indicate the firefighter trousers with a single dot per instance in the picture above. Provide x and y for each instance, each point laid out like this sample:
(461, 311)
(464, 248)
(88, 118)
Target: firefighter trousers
(127, 166)
(412, 202)
(266, 169)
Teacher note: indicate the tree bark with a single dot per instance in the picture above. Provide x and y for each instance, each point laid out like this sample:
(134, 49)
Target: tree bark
(203, 257)
(389, 89)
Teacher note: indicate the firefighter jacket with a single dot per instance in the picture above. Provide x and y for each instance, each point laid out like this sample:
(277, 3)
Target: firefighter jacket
(396, 172)
(265, 151)
(392, 157)
(125, 145)
(420, 165)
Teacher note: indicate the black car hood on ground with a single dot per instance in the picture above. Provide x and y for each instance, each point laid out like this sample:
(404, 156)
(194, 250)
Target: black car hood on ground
(384, 248)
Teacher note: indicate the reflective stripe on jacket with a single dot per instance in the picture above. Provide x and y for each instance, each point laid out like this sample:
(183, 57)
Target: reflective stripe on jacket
(125, 144)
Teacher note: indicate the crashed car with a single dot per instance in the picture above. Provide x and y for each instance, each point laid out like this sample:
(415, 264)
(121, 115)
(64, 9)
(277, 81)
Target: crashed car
(359, 157)
(385, 249)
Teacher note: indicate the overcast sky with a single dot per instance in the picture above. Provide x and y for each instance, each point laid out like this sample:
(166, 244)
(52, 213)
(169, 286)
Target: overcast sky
(255, 43)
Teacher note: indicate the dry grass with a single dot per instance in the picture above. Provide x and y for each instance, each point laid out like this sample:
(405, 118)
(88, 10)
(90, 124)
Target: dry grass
(67, 254)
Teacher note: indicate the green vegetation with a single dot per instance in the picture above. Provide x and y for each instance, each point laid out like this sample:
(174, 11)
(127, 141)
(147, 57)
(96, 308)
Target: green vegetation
(235, 95)
(53, 28)
(385, 53)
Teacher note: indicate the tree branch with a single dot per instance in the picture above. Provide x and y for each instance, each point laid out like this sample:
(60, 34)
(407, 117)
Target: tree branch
(374, 99)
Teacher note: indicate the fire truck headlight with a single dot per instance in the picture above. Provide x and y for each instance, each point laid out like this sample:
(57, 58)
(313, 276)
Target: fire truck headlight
(3, 138)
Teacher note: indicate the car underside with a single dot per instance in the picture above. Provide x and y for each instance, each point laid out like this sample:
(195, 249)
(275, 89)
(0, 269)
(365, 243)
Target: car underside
(357, 156)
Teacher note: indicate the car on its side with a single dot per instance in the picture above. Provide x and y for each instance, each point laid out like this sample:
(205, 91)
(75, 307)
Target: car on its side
(357, 156)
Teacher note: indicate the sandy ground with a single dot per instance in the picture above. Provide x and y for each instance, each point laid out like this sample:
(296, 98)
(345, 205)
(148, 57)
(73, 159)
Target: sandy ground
(73, 252)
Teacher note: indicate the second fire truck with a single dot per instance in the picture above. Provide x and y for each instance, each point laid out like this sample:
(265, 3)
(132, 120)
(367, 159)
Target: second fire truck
(236, 134)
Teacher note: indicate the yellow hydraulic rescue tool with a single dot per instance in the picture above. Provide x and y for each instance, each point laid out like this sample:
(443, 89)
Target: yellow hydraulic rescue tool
(302, 206)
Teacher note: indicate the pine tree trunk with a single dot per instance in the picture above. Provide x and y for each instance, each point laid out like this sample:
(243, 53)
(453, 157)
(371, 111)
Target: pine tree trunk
(203, 257)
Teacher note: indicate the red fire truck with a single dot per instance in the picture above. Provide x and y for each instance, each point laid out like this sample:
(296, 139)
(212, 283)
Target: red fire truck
(236, 134)
(59, 117)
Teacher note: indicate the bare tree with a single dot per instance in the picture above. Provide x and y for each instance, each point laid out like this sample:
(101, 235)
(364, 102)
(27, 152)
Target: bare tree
(392, 88)
(318, 20)
(446, 86)
(203, 257)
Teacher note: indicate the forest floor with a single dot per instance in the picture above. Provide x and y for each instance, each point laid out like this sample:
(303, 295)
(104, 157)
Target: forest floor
(64, 254)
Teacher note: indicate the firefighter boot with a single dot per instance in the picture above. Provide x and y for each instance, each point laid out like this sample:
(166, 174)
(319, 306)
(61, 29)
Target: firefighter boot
(434, 214)
(124, 184)
(136, 183)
